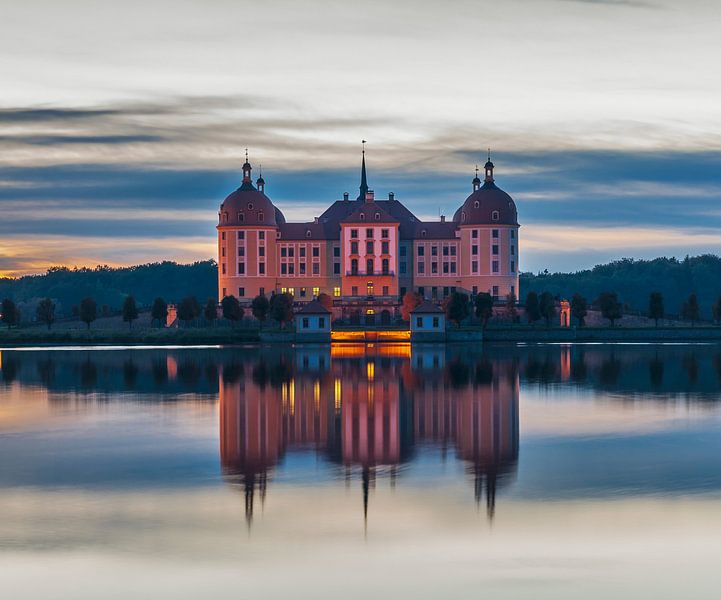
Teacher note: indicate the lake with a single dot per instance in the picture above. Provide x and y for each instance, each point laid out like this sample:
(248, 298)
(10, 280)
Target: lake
(539, 471)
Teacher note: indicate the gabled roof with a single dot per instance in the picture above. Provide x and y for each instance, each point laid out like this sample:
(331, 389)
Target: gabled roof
(369, 212)
(435, 230)
(313, 308)
(427, 307)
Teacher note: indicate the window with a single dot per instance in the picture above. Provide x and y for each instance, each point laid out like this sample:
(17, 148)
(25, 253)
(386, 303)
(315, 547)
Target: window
(336, 251)
(495, 292)
(241, 268)
(224, 294)
(261, 268)
(453, 267)
(305, 323)
(241, 217)
(241, 250)
(378, 216)
(403, 292)
(446, 290)
(494, 249)
(241, 235)
(301, 266)
(474, 266)
(419, 322)
(476, 204)
(336, 268)
(290, 252)
(336, 292)
(434, 267)
(475, 290)
(301, 251)
(369, 292)
(369, 233)
(316, 268)
(250, 206)
(283, 290)
(385, 290)
(453, 250)
(307, 233)
(369, 266)
(362, 216)
(445, 250)
(321, 322)
(436, 322)
(354, 233)
(369, 247)
(316, 291)
(422, 290)
(421, 268)
(474, 249)
(261, 250)
(354, 247)
(222, 251)
(261, 235)
(241, 292)
(513, 266)
(291, 291)
(284, 252)
(385, 248)
(384, 266)
(434, 250)
(513, 234)
(316, 251)
(513, 250)
(494, 234)
(402, 267)
(474, 234)
(261, 292)
(260, 217)
(445, 267)
(291, 269)
(403, 251)
(302, 292)
(354, 266)
(283, 269)
(384, 233)
(421, 251)
(225, 217)
(495, 216)
(354, 290)
(223, 268)
(222, 235)
(495, 266)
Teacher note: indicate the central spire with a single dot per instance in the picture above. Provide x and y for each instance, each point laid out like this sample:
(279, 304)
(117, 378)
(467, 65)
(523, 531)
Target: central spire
(364, 179)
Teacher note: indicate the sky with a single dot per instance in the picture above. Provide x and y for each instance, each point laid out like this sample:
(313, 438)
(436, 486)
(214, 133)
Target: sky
(124, 125)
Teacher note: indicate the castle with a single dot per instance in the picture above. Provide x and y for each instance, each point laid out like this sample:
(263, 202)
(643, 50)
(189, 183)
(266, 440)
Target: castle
(368, 252)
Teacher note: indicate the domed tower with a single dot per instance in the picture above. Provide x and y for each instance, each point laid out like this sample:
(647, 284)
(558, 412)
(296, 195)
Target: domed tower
(488, 225)
(247, 231)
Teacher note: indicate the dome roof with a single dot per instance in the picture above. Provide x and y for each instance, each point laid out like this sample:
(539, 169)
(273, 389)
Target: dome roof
(249, 207)
(488, 205)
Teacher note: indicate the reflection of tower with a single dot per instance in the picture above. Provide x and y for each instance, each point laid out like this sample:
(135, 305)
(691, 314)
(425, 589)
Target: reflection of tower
(476, 408)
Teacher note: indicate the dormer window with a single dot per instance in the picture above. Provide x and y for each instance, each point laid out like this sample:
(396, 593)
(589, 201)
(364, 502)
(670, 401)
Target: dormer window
(495, 216)
(463, 216)
(362, 217)
(476, 204)
(423, 233)
(250, 206)
(378, 216)
(225, 217)
(260, 216)
(241, 217)
(307, 233)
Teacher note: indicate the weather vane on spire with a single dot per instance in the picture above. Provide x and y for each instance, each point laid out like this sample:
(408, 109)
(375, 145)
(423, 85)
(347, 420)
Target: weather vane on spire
(489, 155)
(476, 170)
(246, 155)
(364, 146)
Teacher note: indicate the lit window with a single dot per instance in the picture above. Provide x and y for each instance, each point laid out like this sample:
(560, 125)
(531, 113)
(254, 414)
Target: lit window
(336, 292)
(316, 291)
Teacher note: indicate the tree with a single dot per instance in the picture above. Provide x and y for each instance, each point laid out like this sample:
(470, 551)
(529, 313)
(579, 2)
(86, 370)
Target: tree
(547, 307)
(326, 301)
(188, 309)
(456, 307)
(579, 309)
(690, 310)
(610, 307)
(88, 311)
(260, 307)
(159, 311)
(281, 308)
(210, 312)
(533, 312)
(716, 308)
(10, 313)
(510, 309)
(45, 312)
(130, 311)
(232, 310)
(655, 307)
(410, 301)
(483, 305)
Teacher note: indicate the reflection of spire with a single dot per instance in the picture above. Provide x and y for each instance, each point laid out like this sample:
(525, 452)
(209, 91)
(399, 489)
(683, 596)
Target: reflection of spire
(249, 492)
(366, 485)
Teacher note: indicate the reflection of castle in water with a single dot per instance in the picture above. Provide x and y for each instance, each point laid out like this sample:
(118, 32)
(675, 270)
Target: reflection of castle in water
(367, 409)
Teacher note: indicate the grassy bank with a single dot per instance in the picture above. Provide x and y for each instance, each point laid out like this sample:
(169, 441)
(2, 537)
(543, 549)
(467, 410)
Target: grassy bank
(128, 336)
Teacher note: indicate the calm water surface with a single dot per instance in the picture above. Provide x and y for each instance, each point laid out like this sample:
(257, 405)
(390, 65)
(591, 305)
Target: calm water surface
(551, 471)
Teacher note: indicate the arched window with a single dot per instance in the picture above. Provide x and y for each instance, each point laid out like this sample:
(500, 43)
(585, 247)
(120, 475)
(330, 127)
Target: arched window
(225, 217)
(385, 266)
(260, 216)
(378, 216)
(423, 233)
(494, 215)
(476, 204)
(369, 266)
(241, 217)
(354, 266)
(463, 216)
(307, 233)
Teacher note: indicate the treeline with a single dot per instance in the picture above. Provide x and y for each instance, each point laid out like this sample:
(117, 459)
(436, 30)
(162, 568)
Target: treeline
(110, 286)
(634, 280)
